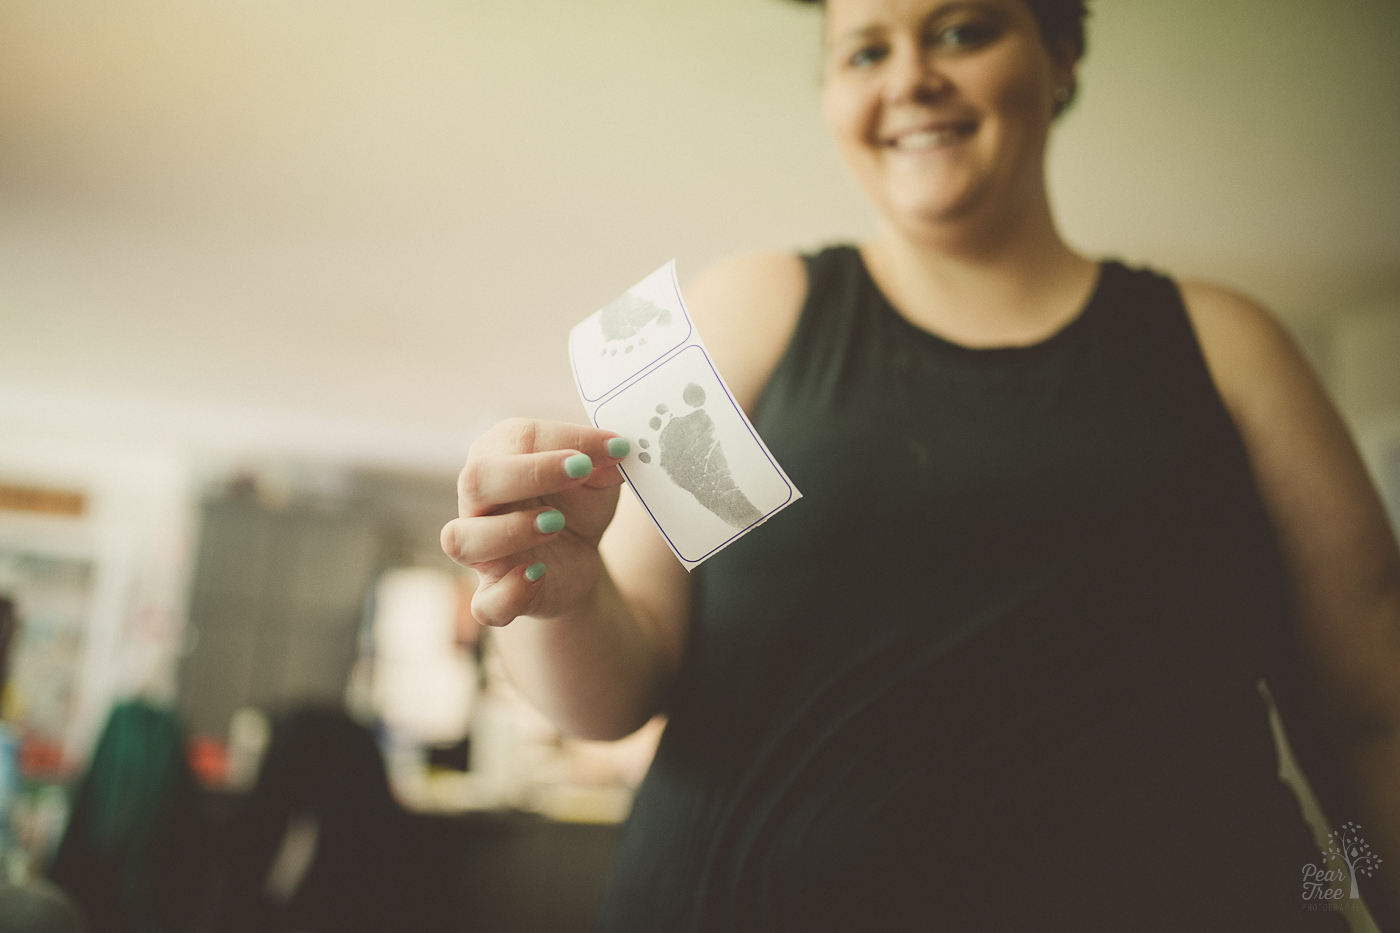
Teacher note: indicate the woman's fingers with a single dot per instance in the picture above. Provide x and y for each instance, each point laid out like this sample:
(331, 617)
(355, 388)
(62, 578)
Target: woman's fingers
(490, 537)
(491, 481)
(522, 460)
(527, 436)
(510, 596)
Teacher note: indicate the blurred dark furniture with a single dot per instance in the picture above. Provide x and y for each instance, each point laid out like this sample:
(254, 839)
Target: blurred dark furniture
(379, 868)
(513, 872)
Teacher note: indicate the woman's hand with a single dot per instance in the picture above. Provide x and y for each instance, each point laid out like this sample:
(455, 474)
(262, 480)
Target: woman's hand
(533, 500)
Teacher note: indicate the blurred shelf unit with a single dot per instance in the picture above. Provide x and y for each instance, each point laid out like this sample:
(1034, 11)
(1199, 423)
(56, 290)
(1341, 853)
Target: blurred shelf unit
(280, 588)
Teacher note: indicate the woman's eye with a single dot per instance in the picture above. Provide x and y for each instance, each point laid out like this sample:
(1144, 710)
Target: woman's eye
(867, 56)
(966, 35)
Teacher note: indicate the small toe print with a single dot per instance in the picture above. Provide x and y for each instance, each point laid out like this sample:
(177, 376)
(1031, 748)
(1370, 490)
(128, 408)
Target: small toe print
(654, 424)
(661, 409)
(644, 442)
(626, 317)
(644, 457)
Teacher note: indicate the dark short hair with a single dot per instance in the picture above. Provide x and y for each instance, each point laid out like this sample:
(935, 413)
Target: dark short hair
(1060, 21)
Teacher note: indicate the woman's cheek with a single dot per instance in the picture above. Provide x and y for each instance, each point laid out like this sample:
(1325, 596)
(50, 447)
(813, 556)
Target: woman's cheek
(1023, 95)
(847, 111)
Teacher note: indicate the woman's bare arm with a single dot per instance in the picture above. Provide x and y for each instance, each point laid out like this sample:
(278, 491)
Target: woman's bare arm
(1343, 712)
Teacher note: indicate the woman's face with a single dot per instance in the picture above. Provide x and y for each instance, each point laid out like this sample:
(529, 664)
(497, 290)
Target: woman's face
(941, 109)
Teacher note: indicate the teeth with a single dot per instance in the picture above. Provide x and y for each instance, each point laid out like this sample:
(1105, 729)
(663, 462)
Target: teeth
(926, 139)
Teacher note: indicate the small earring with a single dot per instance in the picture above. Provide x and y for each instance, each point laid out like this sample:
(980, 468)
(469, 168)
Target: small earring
(1062, 95)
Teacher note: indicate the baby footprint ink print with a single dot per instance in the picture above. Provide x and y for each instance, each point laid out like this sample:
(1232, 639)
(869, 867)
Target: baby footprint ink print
(697, 465)
(694, 459)
(625, 317)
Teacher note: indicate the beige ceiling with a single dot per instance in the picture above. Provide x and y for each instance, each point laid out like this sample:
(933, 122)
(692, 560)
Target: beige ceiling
(387, 213)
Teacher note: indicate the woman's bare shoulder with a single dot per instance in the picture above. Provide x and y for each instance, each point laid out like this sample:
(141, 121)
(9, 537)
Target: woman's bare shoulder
(1244, 344)
(1236, 332)
(746, 308)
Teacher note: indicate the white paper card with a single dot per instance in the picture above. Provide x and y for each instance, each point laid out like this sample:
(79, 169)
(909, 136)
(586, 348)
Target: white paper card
(697, 464)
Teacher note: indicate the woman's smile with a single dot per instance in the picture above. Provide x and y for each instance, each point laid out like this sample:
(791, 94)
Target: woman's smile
(930, 136)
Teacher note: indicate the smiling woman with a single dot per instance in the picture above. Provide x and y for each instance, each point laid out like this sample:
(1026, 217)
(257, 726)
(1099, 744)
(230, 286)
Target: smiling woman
(1001, 668)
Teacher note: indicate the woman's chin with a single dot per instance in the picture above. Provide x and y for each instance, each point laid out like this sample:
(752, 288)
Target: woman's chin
(934, 212)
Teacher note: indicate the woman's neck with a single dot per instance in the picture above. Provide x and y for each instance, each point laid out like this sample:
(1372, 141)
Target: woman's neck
(998, 282)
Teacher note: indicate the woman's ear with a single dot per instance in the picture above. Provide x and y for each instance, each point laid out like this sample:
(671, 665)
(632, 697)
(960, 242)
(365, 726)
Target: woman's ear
(1064, 61)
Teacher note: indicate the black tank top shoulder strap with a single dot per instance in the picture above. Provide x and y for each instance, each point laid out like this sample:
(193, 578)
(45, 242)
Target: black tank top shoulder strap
(1149, 335)
(822, 338)
(836, 300)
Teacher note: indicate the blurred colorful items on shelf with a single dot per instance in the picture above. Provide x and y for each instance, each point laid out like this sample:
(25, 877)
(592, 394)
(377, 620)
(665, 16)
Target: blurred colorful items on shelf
(208, 758)
(41, 758)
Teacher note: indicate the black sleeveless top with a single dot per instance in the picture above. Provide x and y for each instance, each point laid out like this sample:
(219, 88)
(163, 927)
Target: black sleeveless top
(998, 669)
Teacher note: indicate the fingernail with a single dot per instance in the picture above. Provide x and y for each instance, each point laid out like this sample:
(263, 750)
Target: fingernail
(619, 448)
(550, 522)
(534, 571)
(578, 466)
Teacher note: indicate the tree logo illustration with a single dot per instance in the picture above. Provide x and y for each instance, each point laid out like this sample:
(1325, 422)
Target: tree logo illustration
(1347, 845)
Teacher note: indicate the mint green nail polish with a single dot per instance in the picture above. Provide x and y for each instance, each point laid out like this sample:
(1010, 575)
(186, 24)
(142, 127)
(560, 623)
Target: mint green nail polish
(578, 466)
(550, 522)
(618, 448)
(534, 571)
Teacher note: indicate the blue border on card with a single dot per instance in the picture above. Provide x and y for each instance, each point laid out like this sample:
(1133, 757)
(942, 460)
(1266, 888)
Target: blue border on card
(761, 446)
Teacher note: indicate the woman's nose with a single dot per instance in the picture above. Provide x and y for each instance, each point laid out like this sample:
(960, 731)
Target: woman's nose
(913, 76)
